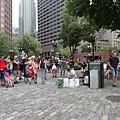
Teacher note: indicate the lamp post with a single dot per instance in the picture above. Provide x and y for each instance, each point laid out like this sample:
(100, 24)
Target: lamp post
(41, 54)
(93, 44)
(54, 43)
(12, 53)
(20, 49)
(100, 56)
(89, 48)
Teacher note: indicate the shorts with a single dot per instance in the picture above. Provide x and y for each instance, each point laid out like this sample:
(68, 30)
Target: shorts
(35, 74)
(114, 72)
(15, 73)
(27, 75)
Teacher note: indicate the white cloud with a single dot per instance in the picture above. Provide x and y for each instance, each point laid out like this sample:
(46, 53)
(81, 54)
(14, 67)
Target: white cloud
(15, 12)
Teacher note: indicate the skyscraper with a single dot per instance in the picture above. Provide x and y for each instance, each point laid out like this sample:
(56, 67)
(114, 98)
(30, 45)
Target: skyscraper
(49, 22)
(27, 17)
(6, 17)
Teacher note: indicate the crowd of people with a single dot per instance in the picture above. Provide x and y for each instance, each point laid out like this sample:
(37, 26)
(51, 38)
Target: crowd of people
(26, 68)
(111, 67)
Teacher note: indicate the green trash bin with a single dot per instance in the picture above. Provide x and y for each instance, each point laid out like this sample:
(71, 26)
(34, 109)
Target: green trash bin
(60, 83)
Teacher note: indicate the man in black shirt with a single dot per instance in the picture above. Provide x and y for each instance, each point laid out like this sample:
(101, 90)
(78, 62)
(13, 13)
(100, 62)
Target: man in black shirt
(113, 63)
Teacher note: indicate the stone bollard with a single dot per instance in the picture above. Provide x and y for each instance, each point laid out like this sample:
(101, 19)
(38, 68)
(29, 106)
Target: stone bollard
(41, 76)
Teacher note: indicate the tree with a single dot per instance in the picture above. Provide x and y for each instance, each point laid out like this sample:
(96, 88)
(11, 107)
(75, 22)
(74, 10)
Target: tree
(70, 32)
(4, 44)
(29, 45)
(36, 47)
(104, 49)
(63, 51)
(86, 48)
(74, 30)
(103, 13)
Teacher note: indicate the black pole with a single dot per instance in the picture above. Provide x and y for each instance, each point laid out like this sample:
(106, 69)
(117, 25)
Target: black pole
(93, 51)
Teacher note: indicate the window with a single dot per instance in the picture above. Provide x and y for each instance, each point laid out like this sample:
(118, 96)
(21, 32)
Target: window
(2, 20)
(2, 25)
(2, 9)
(2, 3)
(2, 14)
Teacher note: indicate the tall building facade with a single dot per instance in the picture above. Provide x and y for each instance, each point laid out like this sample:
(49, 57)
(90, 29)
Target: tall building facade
(6, 17)
(103, 38)
(49, 22)
(115, 38)
(27, 17)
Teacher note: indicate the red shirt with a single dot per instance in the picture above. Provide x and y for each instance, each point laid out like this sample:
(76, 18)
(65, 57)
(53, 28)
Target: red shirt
(2, 64)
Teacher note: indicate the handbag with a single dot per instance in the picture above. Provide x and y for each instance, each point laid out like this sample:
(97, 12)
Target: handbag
(54, 67)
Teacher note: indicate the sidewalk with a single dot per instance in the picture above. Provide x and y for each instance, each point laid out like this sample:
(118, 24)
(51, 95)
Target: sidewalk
(47, 102)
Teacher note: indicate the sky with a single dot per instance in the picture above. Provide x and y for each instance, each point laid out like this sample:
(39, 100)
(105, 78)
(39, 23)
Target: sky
(16, 12)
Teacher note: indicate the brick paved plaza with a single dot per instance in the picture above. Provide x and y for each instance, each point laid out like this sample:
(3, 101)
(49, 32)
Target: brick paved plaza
(47, 102)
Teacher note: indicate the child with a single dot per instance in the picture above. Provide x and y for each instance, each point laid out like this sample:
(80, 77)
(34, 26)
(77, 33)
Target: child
(27, 70)
(7, 78)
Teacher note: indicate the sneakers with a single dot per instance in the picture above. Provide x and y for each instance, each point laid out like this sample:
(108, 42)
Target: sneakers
(16, 82)
(35, 82)
(115, 85)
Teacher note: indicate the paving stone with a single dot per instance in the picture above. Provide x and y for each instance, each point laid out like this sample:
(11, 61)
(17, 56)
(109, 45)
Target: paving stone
(47, 102)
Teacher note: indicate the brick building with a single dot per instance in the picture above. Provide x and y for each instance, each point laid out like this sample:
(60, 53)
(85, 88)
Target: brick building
(6, 17)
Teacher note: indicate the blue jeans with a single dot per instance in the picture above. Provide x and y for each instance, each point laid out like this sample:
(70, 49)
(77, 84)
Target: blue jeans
(114, 72)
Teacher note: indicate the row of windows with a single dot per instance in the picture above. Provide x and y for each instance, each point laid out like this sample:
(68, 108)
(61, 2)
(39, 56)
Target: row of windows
(51, 31)
(49, 14)
(50, 3)
(48, 23)
(42, 11)
(54, 25)
(48, 34)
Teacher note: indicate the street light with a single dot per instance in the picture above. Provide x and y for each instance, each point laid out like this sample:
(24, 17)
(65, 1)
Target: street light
(93, 44)
(20, 49)
(100, 56)
(54, 43)
(12, 53)
(40, 54)
(89, 47)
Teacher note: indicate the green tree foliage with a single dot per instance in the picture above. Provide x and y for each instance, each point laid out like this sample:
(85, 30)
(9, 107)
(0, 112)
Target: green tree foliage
(70, 32)
(104, 49)
(86, 48)
(29, 45)
(63, 51)
(103, 13)
(4, 44)
(74, 30)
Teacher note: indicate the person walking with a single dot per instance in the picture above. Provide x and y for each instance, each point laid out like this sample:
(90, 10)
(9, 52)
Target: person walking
(63, 66)
(113, 63)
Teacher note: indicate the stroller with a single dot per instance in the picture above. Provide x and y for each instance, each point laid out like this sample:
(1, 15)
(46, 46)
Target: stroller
(8, 81)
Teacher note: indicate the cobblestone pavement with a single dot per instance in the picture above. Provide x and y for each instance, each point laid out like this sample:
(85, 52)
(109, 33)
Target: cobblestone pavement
(47, 102)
